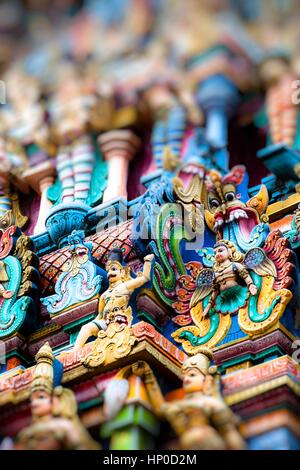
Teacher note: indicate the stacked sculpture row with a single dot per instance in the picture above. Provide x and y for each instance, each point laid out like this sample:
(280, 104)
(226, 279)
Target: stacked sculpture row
(201, 420)
(149, 228)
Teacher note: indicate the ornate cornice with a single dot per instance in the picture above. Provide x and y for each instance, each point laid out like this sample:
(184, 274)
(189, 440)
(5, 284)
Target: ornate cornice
(151, 346)
(246, 346)
(248, 383)
(273, 420)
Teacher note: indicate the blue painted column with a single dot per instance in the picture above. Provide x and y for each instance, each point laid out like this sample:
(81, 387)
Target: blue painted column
(218, 97)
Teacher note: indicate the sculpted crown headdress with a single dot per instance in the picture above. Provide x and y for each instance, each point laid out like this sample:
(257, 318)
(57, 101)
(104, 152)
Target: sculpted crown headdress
(235, 254)
(200, 361)
(115, 256)
(43, 373)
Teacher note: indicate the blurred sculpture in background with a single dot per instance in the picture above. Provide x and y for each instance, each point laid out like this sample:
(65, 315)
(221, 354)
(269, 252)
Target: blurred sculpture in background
(55, 423)
(201, 419)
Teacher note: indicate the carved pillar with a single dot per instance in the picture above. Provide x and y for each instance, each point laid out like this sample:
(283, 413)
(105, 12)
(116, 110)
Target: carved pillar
(218, 97)
(119, 148)
(219, 75)
(135, 427)
(41, 178)
(45, 206)
(282, 112)
(281, 155)
(83, 164)
(66, 173)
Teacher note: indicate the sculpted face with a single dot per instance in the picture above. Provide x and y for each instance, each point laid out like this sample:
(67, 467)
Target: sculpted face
(114, 272)
(224, 208)
(116, 310)
(223, 200)
(225, 205)
(193, 380)
(222, 253)
(82, 254)
(41, 404)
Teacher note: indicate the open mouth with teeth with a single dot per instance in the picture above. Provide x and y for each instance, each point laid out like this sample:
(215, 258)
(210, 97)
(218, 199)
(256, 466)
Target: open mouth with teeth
(80, 252)
(120, 319)
(187, 173)
(245, 217)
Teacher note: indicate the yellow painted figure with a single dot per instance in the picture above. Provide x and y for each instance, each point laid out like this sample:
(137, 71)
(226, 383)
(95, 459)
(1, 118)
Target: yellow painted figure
(113, 304)
(55, 423)
(201, 420)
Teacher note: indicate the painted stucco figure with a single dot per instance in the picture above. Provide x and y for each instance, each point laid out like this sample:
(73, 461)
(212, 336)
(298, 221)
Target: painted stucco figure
(114, 302)
(80, 280)
(201, 420)
(252, 286)
(229, 214)
(55, 423)
(230, 282)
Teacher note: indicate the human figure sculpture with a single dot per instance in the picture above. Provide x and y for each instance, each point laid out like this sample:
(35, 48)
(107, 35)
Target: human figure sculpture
(114, 301)
(55, 423)
(201, 420)
(12, 163)
(25, 118)
(229, 282)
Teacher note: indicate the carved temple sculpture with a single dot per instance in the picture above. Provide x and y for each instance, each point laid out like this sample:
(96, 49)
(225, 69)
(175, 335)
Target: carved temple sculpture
(80, 280)
(149, 214)
(112, 325)
(201, 419)
(19, 281)
(55, 424)
(251, 286)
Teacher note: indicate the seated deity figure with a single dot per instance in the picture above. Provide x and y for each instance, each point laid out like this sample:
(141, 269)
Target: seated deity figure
(116, 298)
(24, 118)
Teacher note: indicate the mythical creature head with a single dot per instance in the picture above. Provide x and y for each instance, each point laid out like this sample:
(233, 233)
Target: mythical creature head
(224, 205)
(116, 310)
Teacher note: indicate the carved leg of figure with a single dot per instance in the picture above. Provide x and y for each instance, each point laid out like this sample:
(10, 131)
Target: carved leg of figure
(88, 330)
(83, 163)
(233, 438)
(66, 174)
